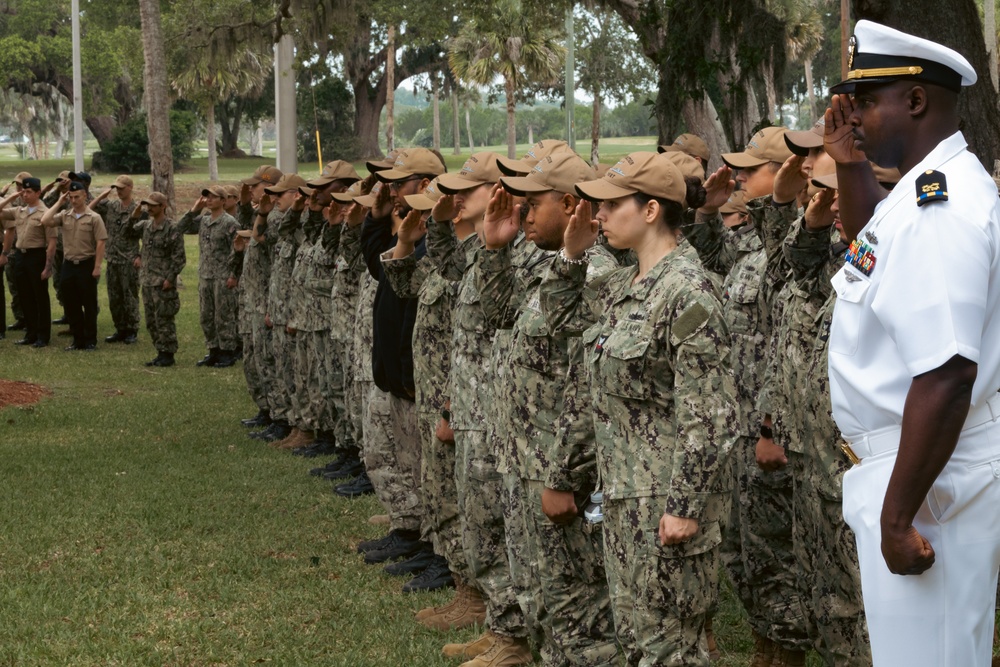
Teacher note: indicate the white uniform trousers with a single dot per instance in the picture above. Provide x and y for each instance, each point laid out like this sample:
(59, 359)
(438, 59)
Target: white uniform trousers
(943, 617)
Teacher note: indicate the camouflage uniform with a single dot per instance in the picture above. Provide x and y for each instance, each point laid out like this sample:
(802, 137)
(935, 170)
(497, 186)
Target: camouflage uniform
(163, 258)
(503, 297)
(217, 302)
(345, 326)
(566, 561)
(480, 486)
(666, 419)
(120, 252)
(253, 290)
(309, 315)
(824, 546)
(761, 565)
(432, 333)
(286, 404)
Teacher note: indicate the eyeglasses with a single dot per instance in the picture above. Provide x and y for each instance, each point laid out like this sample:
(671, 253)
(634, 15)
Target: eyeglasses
(396, 185)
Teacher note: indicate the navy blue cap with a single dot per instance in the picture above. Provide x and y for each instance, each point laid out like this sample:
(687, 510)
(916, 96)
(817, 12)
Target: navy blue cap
(31, 183)
(77, 186)
(81, 176)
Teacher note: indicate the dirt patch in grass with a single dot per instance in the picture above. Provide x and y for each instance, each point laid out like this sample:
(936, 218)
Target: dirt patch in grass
(13, 392)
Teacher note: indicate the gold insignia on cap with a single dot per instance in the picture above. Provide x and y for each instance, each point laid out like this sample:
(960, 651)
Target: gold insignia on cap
(885, 71)
(852, 48)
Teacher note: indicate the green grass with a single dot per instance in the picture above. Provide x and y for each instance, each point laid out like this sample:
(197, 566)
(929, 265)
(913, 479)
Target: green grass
(142, 527)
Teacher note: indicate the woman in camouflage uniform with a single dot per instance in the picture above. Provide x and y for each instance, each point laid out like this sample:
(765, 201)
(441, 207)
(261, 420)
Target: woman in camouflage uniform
(663, 401)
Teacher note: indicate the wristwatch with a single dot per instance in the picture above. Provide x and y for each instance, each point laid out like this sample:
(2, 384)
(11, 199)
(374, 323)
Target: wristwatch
(446, 415)
(766, 432)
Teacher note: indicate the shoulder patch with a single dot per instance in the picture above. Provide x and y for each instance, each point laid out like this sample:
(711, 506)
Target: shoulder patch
(931, 187)
(692, 319)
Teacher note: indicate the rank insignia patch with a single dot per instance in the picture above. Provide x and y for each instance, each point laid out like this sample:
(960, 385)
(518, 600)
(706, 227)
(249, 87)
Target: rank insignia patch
(931, 186)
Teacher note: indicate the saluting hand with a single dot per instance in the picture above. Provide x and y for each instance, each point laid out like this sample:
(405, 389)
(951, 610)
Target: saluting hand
(266, 204)
(838, 138)
(581, 232)
(906, 552)
(790, 180)
(502, 220)
(718, 189)
(444, 209)
(412, 228)
(819, 214)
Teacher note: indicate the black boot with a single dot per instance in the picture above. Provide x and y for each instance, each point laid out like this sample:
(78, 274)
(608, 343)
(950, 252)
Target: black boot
(437, 575)
(166, 359)
(351, 466)
(156, 362)
(131, 337)
(226, 359)
(404, 544)
(209, 359)
(263, 418)
(116, 337)
(359, 486)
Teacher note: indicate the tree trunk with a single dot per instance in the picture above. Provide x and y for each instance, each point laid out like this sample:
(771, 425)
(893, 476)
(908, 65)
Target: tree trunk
(508, 87)
(436, 105)
(390, 90)
(366, 115)
(468, 129)
(811, 90)
(978, 106)
(157, 98)
(531, 135)
(102, 127)
(702, 119)
(595, 130)
(256, 140)
(213, 156)
(230, 124)
(990, 33)
(456, 131)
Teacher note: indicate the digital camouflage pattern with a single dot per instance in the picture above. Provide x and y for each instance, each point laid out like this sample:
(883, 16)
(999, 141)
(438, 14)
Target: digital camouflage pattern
(432, 334)
(824, 547)
(120, 250)
(258, 356)
(345, 325)
(481, 491)
(762, 571)
(217, 303)
(532, 386)
(666, 420)
(289, 236)
(309, 315)
(163, 258)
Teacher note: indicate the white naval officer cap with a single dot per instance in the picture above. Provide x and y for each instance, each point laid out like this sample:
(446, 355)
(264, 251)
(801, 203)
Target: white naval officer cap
(880, 54)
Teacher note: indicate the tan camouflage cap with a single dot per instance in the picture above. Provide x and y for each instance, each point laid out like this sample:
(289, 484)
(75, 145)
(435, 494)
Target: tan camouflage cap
(767, 145)
(641, 172)
(557, 171)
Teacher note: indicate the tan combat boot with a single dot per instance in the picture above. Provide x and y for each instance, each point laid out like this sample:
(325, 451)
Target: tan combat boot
(471, 649)
(461, 591)
(471, 610)
(503, 652)
(764, 651)
(294, 434)
(713, 649)
(305, 439)
(785, 658)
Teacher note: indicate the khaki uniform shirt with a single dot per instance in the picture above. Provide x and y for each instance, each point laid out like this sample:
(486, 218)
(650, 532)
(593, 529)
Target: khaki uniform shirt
(80, 234)
(28, 223)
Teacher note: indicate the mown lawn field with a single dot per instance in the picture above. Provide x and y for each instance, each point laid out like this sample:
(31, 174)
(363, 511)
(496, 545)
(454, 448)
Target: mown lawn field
(140, 526)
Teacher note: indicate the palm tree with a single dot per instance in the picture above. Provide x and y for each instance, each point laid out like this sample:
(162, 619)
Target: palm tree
(207, 82)
(512, 43)
(157, 98)
(803, 37)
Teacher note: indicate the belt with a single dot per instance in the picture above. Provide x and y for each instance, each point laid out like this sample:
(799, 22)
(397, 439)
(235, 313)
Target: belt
(887, 439)
(81, 261)
(27, 250)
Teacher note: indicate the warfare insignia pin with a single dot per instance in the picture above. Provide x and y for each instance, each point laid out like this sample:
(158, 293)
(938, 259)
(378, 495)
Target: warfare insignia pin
(852, 48)
(931, 187)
